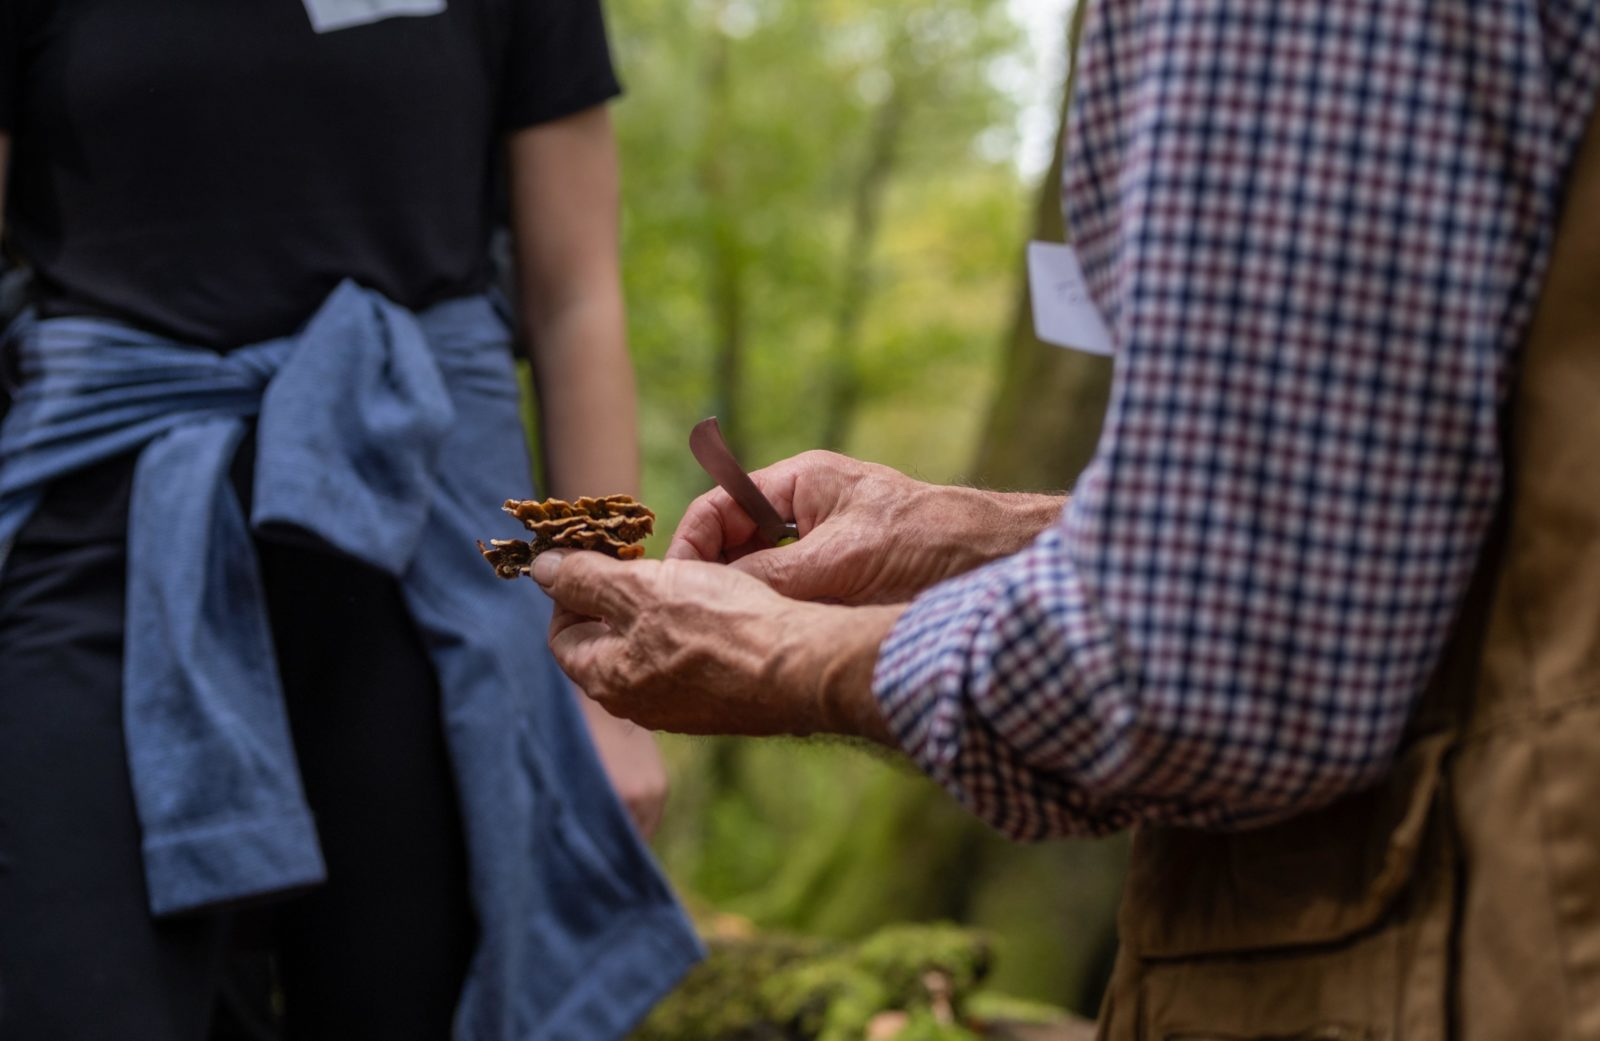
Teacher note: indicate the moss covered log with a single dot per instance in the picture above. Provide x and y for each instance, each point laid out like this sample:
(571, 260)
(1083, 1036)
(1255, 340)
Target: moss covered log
(903, 983)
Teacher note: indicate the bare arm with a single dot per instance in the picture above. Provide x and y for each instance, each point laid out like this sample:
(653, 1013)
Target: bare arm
(564, 218)
(564, 223)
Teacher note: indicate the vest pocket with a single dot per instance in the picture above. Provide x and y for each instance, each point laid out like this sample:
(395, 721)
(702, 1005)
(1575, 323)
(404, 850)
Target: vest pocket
(1332, 926)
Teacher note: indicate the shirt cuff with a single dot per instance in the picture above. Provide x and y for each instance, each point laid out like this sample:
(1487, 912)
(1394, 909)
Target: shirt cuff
(980, 684)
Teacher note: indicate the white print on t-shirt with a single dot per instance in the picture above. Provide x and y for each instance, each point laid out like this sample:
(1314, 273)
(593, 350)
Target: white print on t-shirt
(329, 15)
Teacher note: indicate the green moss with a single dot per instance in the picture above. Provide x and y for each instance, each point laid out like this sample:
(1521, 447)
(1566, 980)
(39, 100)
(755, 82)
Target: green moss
(722, 999)
(832, 999)
(902, 956)
(924, 1026)
(775, 987)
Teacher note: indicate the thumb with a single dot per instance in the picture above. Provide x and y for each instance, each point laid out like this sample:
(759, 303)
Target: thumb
(592, 584)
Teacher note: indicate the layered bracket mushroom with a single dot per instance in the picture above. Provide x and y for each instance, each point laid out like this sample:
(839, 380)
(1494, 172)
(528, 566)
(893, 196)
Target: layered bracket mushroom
(614, 525)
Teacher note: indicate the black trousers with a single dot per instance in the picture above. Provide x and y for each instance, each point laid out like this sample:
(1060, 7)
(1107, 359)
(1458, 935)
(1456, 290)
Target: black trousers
(379, 951)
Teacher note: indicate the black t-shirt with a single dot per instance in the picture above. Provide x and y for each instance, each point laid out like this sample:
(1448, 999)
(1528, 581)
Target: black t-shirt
(211, 169)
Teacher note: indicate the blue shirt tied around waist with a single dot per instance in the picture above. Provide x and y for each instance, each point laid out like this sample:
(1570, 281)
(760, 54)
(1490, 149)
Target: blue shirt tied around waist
(392, 437)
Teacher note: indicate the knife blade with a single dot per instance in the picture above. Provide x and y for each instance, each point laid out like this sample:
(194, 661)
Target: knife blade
(717, 459)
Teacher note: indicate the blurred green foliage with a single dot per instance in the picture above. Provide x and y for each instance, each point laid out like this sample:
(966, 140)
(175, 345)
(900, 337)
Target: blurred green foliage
(824, 841)
(747, 132)
(823, 230)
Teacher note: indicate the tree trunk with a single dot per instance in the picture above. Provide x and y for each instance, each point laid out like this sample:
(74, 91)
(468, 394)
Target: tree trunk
(1045, 417)
(843, 391)
(724, 252)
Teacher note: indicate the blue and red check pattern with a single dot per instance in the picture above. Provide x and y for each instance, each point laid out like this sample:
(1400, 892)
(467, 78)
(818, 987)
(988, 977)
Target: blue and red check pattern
(1316, 229)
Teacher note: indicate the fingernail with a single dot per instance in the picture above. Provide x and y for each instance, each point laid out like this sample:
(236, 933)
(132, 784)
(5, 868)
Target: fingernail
(546, 565)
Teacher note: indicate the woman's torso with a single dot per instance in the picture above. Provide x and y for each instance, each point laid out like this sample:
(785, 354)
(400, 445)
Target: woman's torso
(211, 169)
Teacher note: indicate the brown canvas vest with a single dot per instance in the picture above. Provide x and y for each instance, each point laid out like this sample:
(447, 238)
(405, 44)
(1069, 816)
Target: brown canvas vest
(1460, 899)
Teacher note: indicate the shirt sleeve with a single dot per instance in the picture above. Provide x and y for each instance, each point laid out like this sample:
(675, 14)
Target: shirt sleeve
(1317, 231)
(559, 62)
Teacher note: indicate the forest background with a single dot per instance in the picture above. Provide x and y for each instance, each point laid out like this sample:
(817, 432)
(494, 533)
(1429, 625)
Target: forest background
(825, 207)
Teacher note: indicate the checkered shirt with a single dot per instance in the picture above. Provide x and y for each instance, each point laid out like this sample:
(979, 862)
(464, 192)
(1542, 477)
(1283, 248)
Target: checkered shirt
(1316, 229)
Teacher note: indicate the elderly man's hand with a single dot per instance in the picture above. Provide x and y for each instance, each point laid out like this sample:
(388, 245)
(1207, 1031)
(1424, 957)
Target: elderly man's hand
(694, 648)
(869, 534)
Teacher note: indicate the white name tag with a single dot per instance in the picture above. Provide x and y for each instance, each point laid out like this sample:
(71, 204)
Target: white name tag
(330, 15)
(1063, 311)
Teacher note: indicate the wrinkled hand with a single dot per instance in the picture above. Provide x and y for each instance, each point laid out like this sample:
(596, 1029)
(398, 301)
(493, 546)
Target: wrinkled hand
(632, 763)
(694, 648)
(869, 534)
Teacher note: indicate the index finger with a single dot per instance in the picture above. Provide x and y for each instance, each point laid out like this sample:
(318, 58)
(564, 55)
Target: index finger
(714, 524)
(711, 524)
